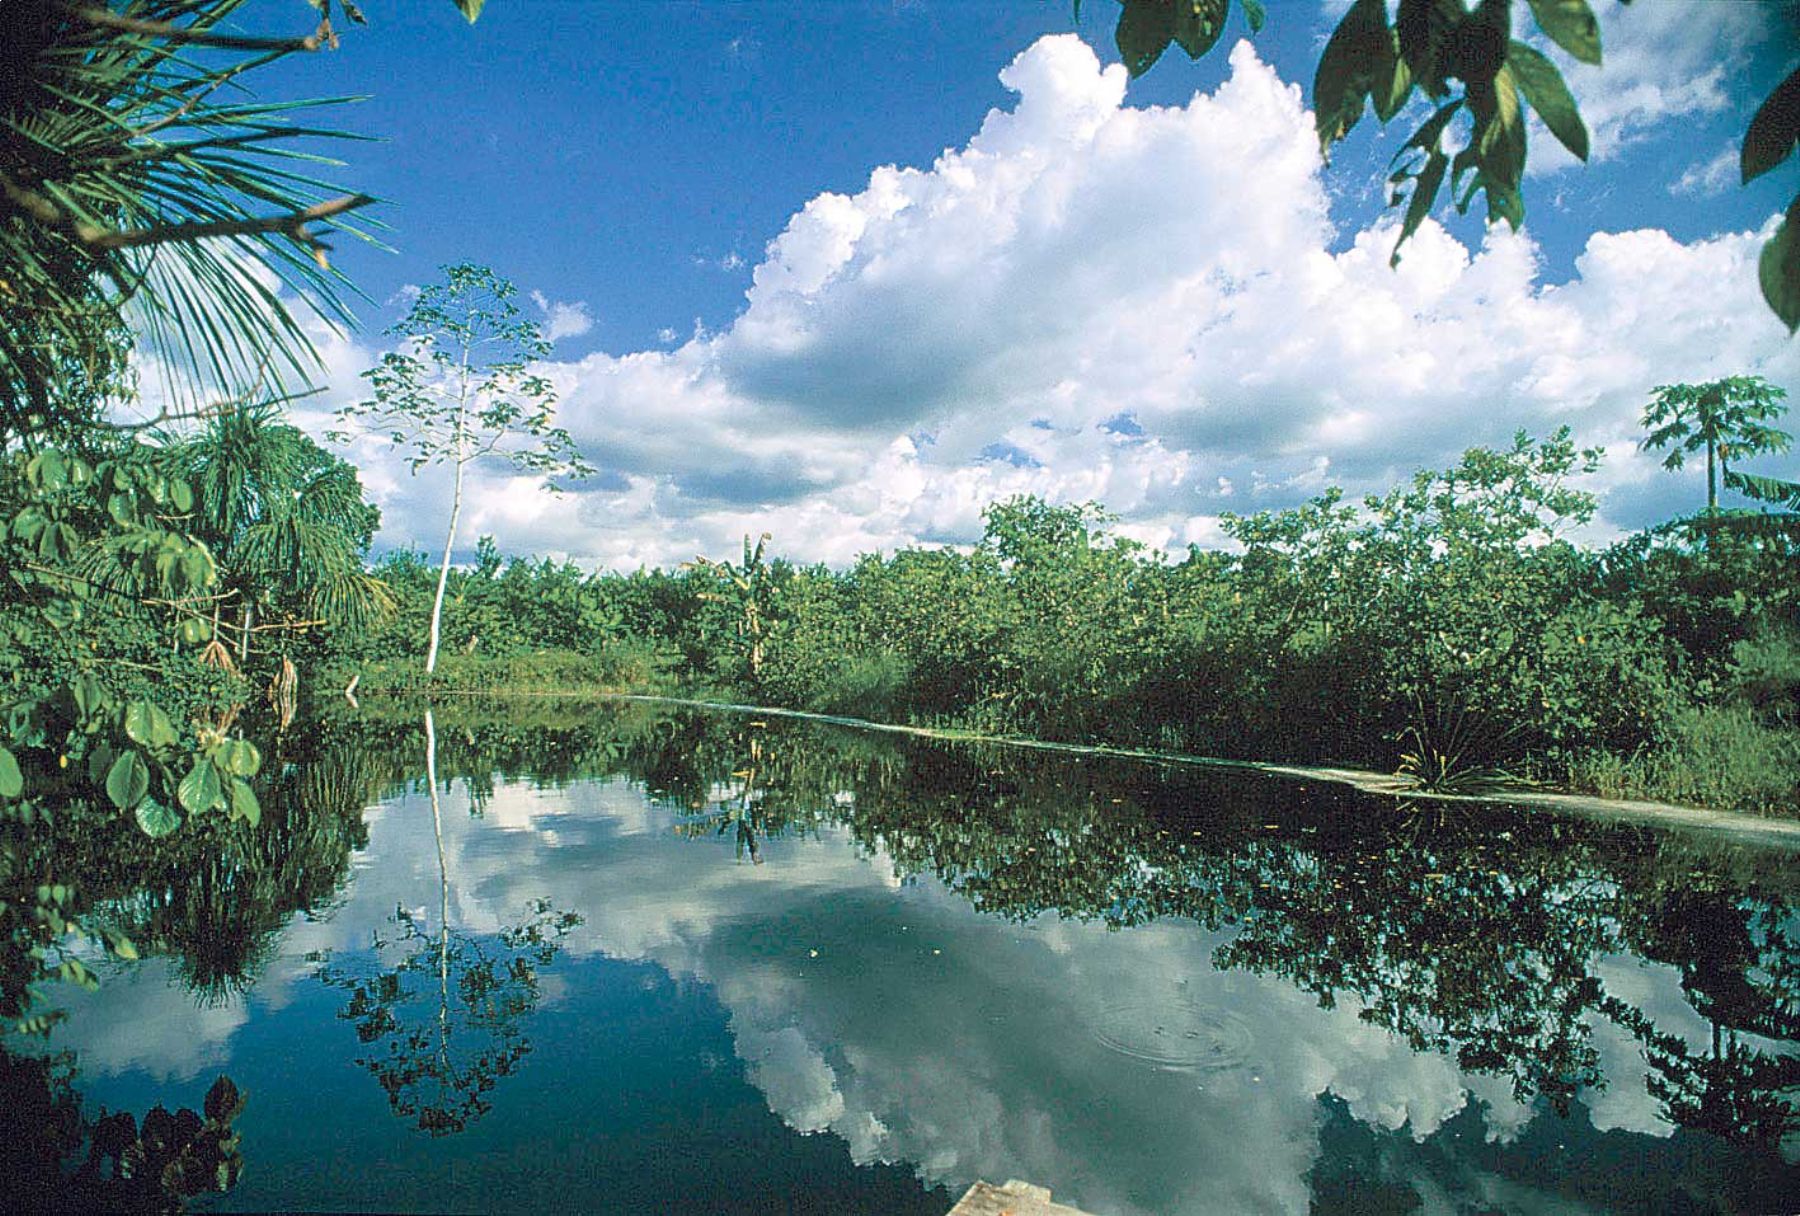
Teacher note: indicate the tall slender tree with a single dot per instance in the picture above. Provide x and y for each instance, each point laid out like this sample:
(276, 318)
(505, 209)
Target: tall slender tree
(461, 389)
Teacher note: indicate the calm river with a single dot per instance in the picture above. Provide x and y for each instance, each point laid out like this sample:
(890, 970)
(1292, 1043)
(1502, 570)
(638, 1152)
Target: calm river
(635, 958)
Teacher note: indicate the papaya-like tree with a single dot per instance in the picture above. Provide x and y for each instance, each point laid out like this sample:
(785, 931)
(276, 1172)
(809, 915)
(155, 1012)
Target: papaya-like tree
(461, 389)
(1727, 419)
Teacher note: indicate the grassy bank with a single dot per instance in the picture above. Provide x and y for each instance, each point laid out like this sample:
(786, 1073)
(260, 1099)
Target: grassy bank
(546, 671)
(1721, 758)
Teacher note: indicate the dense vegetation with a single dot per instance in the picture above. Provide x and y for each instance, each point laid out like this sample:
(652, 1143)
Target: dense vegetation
(1448, 628)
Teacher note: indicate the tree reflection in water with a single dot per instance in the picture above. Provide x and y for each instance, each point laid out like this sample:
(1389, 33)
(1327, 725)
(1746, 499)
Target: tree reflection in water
(1471, 931)
(438, 1050)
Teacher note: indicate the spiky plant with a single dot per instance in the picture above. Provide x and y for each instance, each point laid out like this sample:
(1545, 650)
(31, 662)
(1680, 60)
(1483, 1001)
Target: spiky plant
(1453, 749)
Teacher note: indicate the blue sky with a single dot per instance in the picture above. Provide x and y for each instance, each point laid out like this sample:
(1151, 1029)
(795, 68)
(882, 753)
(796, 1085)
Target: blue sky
(893, 361)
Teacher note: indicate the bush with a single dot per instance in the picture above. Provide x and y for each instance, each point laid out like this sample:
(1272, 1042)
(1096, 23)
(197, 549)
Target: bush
(870, 685)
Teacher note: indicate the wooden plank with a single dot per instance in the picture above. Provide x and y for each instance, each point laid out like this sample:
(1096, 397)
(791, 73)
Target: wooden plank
(1014, 1199)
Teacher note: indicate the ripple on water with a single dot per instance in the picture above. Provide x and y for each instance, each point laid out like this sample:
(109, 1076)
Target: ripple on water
(1175, 1034)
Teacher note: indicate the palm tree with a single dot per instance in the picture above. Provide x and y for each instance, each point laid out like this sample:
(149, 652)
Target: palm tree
(1727, 419)
(286, 520)
(141, 188)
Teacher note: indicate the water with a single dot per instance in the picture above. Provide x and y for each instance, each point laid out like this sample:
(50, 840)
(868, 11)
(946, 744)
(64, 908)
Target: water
(642, 959)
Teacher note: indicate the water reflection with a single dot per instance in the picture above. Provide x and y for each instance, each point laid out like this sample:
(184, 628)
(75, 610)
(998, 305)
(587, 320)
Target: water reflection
(1153, 990)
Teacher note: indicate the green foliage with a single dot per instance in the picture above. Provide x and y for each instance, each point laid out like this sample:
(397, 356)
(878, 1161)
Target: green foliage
(1447, 627)
(139, 185)
(97, 551)
(1718, 756)
(288, 522)
(1727, 419)
(623, 666)
(745, 590)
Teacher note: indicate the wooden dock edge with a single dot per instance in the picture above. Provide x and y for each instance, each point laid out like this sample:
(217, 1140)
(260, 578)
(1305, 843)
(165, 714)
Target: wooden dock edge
(1014, 1199)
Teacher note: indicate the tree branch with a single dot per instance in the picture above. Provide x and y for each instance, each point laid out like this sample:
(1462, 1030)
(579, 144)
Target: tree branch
(107, 19)
(293, 225)
(93, 237)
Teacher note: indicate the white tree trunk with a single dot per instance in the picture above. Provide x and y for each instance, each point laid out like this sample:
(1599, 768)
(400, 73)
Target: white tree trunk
(437, 604)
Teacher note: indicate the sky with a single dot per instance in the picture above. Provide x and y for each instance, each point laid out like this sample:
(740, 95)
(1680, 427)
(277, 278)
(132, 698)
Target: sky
(849, 272)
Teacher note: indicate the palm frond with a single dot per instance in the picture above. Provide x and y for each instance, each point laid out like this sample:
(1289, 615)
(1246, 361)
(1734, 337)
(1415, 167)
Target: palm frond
(142, 186)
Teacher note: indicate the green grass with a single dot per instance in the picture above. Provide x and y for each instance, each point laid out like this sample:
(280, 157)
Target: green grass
(1720, 758)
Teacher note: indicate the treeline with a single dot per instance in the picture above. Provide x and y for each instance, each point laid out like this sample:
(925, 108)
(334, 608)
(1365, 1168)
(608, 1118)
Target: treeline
(1449, 629)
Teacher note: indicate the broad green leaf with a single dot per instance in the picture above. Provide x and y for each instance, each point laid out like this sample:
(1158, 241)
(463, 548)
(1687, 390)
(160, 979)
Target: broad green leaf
(243, 802)
(1392, 90)
(155, 819)
(1425, 190)
(471, 8)
(1779, 269)
(1198, 24)
(239, 756)
(1425, 29)
(12, 781)
(1546, 93)
(88, 694)
(122, 946)
(200, 790)
(47, 470)
(1359, 54)
(1145, 29)
(1765, 489)
(100, 761)
(128, 781)
(1255, 14)
(1571, 25)
(147, 724)
(28, 524)
(182, 496)
(1774, 130)
(197, 567)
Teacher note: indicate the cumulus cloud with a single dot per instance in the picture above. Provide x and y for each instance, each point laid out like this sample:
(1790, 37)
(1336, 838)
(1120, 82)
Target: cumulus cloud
(1152, 307)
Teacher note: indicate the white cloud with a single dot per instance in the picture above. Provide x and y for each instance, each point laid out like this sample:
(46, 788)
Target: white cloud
(1704, 179)
(1663, 63)
(561, 319)
(980, 327)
